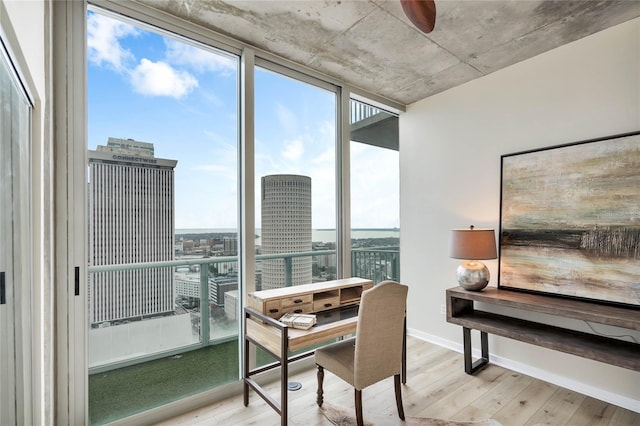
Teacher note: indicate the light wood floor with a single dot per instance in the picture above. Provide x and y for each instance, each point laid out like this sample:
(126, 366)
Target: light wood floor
(436, 387)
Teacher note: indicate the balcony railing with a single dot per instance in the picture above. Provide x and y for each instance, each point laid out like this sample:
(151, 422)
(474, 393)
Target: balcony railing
(203, 327)
(359, 111)
(376, 264)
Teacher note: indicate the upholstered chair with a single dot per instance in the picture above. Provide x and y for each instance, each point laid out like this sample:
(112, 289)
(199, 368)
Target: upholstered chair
(376, 351)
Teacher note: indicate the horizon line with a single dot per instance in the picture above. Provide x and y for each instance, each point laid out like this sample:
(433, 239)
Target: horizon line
(395, 228)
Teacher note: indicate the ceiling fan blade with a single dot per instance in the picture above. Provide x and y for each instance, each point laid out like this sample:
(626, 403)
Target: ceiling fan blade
(421, 13)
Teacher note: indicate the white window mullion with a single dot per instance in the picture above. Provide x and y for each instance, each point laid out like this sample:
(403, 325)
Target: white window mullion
(69, 116)
(343, 185)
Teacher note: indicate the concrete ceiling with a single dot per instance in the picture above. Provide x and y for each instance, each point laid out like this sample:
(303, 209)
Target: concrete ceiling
(370, 44)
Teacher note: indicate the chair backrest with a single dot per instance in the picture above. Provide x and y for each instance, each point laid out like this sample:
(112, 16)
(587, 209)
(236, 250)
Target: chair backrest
(378, 351)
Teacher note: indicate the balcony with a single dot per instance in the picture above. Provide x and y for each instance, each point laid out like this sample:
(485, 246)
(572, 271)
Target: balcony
(193, 348)
(373, 126)
(376, 264)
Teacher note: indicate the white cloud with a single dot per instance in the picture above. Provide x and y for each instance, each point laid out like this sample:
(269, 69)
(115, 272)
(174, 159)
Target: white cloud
(160, 79)
(326, 158)
(293, 150)
(287, 119)
(103, 45)
(201, 60)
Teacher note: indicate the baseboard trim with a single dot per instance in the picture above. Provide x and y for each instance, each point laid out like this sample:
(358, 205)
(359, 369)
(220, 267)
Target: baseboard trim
(594, 392)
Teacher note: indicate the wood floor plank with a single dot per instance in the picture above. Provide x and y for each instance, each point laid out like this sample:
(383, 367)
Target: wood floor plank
(558, 409)
(508, 388)
(425, 392)
(468, 389)
(489, 403)
(520, 409)
(593, 412)
(437, 387)
(624, 417)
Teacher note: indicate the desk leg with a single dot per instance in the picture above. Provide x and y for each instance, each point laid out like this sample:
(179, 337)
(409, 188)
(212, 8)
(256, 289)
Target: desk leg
(284, 377)
(245, 385)
(245, 368)
(471, 367)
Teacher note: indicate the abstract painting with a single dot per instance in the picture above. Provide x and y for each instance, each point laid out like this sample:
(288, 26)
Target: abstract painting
(570, 220)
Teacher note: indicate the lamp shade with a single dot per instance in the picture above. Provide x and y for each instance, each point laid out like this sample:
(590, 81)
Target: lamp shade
(473, 243)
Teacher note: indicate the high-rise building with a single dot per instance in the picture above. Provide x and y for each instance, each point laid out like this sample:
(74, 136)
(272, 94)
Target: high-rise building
(286, 228)
(230, 245)
(131, 220)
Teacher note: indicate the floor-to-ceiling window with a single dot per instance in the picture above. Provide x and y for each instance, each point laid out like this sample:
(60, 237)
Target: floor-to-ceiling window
(162, 217)
(375, 192)
(164, 289)
(295, 180)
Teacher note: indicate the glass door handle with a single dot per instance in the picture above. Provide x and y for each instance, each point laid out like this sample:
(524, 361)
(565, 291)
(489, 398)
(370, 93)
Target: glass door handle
(3, 299)
(77, 281)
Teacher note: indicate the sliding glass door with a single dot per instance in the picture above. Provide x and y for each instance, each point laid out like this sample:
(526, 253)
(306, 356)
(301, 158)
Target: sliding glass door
(14, 244)
(163, 288)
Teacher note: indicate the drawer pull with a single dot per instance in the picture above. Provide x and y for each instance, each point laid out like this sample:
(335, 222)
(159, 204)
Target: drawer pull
(297, 311)
(273, 311)
(328, 305)
(298, 301)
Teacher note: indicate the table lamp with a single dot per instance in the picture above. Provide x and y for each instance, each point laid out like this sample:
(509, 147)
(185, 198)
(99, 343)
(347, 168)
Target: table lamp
(472, 245)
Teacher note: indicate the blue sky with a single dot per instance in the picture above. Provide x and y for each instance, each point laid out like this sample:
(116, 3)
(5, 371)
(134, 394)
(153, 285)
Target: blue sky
(183, 99)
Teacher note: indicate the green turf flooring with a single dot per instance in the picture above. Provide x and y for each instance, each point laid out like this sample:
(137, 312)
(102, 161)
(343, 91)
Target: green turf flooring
(116, 394)
(126, 391)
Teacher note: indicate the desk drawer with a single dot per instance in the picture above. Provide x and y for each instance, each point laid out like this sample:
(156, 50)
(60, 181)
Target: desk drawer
(304, 308)
(272, 309)
(299, 304)
(326, 303)
(302, 299)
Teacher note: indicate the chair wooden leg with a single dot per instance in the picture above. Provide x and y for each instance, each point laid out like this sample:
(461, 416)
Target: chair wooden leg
(396, 379)
(320, 392)
(358, 398)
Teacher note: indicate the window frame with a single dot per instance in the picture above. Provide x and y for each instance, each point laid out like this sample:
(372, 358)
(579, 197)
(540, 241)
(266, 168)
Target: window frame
(70, 120)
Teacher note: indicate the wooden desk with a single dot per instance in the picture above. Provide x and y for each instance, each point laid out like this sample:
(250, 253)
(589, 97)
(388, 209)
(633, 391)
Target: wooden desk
(335, 304)
(308, 298)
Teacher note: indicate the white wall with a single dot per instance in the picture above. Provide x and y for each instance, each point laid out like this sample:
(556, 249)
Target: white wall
(450, 151)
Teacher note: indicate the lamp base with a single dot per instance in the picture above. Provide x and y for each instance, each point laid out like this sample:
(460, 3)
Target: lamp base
(472, 275)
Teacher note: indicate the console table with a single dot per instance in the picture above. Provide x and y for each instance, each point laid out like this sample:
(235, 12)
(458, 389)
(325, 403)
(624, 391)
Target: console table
(461, 311)
(335, 304)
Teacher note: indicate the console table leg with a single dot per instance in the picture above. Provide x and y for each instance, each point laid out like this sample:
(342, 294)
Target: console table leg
(484, 346)
(471, 367)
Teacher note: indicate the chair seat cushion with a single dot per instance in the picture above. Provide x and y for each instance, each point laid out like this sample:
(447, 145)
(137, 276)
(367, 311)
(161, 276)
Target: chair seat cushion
(338, 358)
